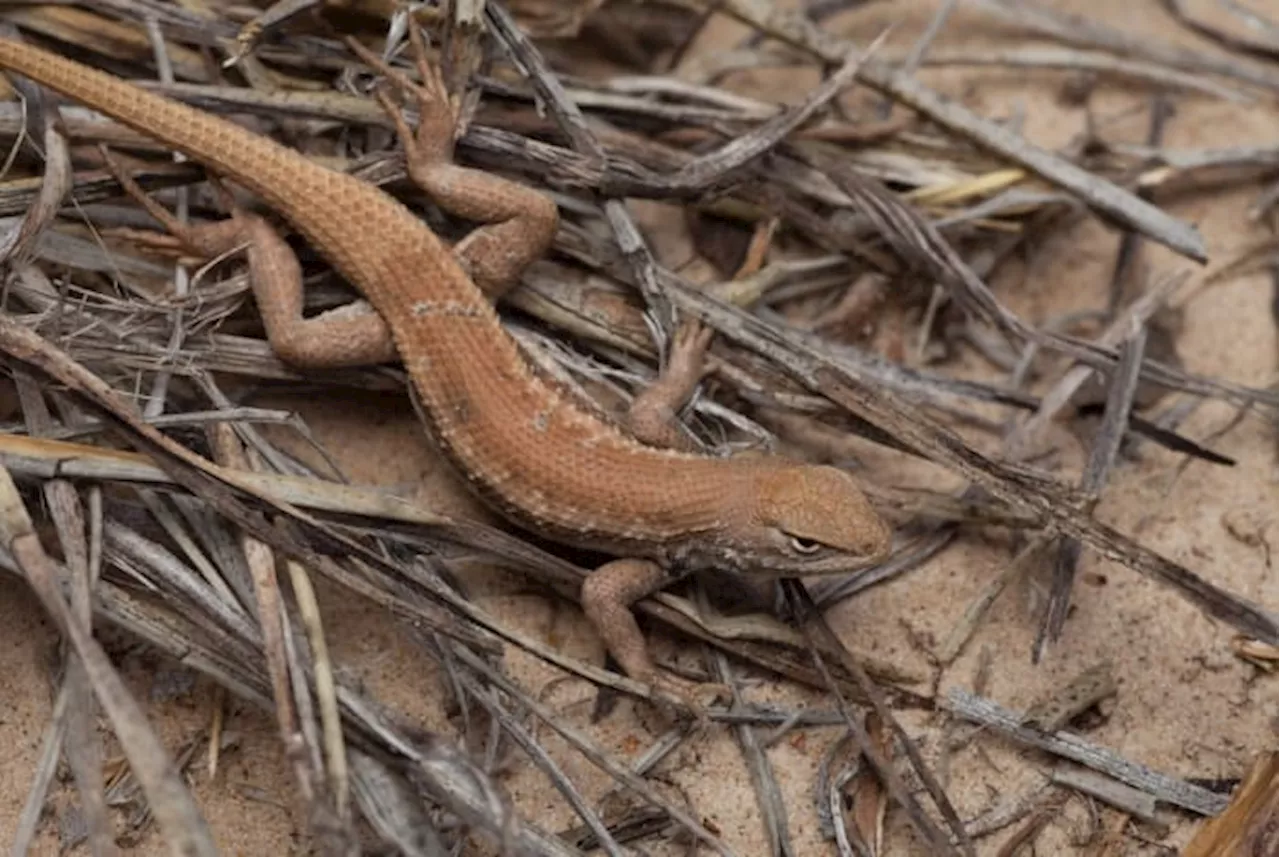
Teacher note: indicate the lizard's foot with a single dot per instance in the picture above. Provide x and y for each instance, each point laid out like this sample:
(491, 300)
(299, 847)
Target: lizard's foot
(156, 243)
(204, 239)
(687, 364)
(607, 596)
(695, 697)
(437, 110)
(653, 416)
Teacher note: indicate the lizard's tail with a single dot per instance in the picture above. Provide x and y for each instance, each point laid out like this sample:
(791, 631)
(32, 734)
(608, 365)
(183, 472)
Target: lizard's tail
(322, 203)
(259, 164)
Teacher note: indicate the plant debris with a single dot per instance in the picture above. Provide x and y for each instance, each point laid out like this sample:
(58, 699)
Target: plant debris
(844, 249)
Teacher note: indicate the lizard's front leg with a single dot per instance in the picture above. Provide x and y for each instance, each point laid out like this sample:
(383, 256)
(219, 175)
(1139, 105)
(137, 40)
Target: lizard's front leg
(610, 591)
(607, 596)
(654, 413)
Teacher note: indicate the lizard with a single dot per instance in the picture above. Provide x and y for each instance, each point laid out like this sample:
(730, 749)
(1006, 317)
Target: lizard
(527, 448)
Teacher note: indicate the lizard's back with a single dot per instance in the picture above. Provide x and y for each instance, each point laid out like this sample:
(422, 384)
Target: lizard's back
(532, 451)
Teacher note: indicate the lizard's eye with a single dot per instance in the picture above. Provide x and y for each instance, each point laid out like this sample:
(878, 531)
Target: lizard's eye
(805, 546)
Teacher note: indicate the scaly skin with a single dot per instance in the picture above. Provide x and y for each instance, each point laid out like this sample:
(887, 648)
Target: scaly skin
(531, 451)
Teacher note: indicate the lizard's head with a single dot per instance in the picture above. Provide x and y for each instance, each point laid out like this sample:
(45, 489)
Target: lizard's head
(809, 519)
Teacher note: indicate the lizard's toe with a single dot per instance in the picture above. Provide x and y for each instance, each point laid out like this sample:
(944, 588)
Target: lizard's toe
(689, 697)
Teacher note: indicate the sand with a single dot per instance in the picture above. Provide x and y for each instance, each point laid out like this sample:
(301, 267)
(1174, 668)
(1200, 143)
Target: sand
(1186, 705)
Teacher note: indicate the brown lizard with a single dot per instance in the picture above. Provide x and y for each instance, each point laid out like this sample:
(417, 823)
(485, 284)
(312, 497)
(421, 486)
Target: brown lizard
(532, 451)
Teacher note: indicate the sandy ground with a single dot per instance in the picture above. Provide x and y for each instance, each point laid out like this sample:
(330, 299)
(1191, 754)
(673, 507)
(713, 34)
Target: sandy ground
(1186, 705)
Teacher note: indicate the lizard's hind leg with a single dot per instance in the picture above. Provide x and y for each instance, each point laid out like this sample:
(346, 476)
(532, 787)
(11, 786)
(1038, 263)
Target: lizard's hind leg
(519, 221)
(351, 335)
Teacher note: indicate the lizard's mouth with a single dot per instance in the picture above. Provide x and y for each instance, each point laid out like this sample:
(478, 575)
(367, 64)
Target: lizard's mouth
(766, 564)
(837, 563)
